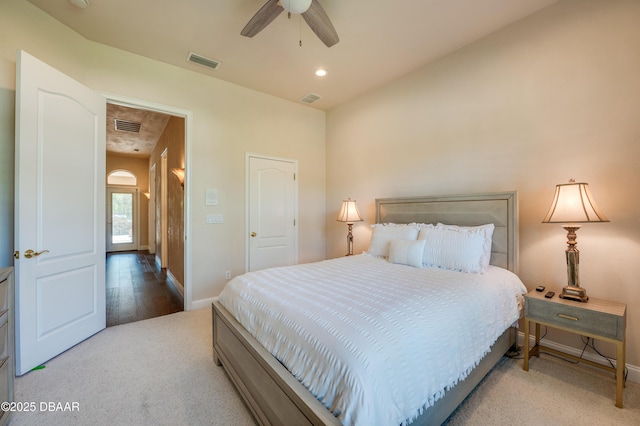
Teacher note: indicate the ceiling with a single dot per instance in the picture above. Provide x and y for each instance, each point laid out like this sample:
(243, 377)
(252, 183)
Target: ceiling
(124, 140)
(380, 40)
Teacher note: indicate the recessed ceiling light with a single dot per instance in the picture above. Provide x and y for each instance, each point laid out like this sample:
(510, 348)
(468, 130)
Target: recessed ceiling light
(321, 72)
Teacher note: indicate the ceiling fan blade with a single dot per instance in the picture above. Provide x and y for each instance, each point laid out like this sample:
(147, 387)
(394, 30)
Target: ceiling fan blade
(320, 24)
(267, 13)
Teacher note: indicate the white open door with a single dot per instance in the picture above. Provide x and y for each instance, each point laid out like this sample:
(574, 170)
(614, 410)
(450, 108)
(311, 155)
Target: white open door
(272, 215)
(60, 213)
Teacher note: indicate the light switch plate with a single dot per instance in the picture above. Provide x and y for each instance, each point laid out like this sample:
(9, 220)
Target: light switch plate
(215, 218)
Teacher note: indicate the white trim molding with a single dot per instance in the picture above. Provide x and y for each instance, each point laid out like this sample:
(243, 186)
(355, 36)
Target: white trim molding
(204, 303)
(176, 284)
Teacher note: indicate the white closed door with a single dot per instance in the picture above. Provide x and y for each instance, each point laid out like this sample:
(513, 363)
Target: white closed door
(59, 213)
(272, 215)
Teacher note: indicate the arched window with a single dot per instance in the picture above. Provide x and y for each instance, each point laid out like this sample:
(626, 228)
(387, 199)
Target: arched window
(122, 177)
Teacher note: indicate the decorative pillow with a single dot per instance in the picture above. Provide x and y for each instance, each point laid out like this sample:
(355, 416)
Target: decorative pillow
(486, 231)
(453, 249)
(406, 252)
(383, 233)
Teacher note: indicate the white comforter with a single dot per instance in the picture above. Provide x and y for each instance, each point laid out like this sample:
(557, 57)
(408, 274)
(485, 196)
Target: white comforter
(375, 342)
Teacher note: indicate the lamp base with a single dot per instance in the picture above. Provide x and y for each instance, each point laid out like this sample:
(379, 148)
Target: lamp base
(578, 294)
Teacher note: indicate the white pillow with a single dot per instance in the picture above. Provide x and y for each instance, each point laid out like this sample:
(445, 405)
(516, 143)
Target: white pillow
(453, 249)
(406, 252)
(486, 231)
(383, 233)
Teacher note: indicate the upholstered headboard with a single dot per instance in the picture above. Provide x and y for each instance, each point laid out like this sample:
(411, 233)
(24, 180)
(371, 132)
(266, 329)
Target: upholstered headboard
(500, 208)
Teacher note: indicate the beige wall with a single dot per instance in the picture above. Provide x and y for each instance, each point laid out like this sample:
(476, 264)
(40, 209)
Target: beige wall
(552, 97)
(228, 121)
(140, 168)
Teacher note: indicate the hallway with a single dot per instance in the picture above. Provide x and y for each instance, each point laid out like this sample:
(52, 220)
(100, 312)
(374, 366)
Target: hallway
(137, 289)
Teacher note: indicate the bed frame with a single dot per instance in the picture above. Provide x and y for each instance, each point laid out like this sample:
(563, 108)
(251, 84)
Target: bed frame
(275, 397)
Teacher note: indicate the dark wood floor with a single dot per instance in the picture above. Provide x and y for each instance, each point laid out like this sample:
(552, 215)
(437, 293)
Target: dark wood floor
(137, 289)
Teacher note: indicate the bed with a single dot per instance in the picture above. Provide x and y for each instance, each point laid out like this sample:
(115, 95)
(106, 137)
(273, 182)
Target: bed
(271, 391)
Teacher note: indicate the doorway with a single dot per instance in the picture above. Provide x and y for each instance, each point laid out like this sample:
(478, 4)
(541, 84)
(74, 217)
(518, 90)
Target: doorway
(172, 139)
(122, 211)
(122, 219)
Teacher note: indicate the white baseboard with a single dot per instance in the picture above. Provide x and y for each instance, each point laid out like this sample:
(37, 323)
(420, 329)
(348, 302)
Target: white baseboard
(633, 371)
(203, 303)
(176, 284)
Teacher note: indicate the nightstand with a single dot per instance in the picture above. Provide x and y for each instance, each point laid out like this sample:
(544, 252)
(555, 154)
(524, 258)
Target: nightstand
(598, 319)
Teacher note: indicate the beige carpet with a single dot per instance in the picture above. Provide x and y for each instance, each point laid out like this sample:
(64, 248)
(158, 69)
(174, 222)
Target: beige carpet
(153, 372)
(552, 392)
(160, 372)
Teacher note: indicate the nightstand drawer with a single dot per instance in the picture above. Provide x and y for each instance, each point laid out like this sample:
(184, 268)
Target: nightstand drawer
(597, 318)
(575, 318)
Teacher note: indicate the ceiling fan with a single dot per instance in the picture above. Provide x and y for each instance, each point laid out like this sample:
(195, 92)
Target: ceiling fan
(311, 11)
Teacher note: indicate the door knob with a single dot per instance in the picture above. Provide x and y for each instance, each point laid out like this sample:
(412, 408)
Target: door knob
(30, 253)
(253, 234)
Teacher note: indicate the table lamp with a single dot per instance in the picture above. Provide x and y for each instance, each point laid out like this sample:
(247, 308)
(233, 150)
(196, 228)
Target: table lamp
(349, 213)
(573, 204)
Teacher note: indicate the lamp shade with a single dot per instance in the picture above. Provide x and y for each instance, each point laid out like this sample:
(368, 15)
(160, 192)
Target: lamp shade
(573, 203)
(349, 212)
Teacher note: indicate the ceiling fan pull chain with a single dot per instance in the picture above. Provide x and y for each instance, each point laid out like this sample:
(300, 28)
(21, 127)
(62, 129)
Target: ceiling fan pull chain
(300, 29)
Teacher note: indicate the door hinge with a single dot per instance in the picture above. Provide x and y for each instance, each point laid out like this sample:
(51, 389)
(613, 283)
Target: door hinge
(294, 222)
(294, 176)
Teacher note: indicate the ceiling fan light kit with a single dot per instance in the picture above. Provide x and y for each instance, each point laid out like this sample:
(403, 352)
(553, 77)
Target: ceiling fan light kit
(312, 12)
(297, 7)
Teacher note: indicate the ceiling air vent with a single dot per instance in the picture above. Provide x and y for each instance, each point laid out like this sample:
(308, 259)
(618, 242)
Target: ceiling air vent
(310, 98)
(201, 60)
(127, 126)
